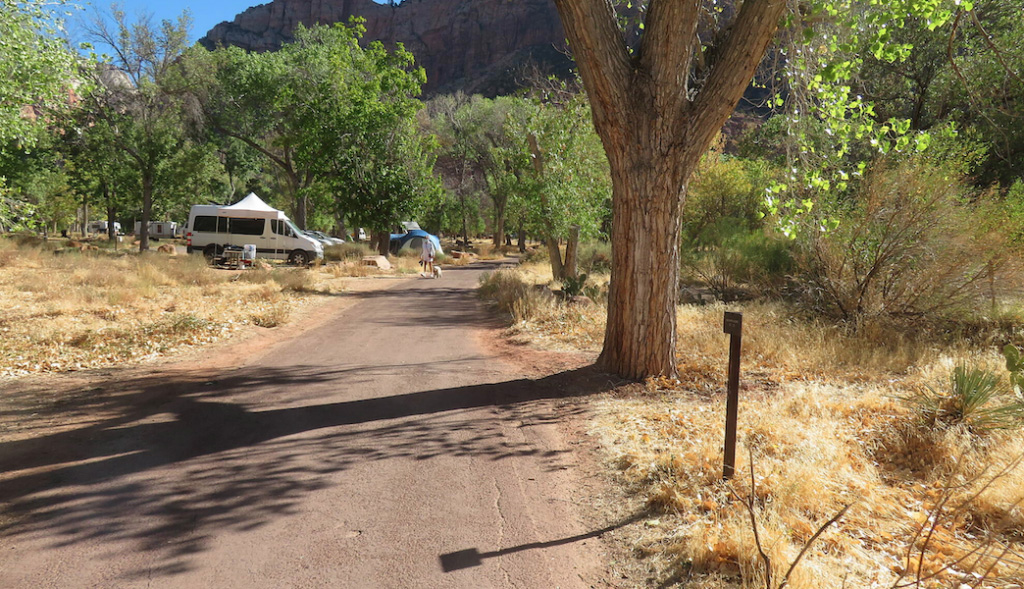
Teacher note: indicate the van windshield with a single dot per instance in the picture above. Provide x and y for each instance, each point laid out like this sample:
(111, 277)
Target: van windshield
(295, 230)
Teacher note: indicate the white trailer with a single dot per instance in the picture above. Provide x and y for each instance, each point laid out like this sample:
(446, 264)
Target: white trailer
(159, 229)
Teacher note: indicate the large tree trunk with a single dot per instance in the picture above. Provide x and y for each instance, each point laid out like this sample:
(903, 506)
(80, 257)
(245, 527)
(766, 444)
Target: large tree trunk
(640, 337)
(657, 109)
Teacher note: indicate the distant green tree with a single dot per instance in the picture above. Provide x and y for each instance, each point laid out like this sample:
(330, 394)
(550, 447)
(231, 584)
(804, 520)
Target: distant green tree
(470, 131)
(138, 100)
(555, 174)
(336, 120)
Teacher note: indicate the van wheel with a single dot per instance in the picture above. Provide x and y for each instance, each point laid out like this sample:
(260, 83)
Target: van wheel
(211, 252)
(298, 258)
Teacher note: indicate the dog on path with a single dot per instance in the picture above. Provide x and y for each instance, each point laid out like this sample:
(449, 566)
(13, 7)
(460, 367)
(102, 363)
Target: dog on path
(437, 271)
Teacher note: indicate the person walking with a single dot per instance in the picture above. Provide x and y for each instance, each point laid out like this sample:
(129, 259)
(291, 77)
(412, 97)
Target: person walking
(427, 257)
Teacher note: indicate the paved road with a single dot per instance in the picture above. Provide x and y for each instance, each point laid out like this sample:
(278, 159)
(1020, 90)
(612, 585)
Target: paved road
(383, 448)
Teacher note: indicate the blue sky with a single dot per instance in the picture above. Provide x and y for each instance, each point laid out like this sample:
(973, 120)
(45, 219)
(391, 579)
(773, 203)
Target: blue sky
(205, 14)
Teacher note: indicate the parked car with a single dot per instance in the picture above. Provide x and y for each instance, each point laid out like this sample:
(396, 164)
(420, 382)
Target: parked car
(312, 235)
(330, 240)
(413, 240)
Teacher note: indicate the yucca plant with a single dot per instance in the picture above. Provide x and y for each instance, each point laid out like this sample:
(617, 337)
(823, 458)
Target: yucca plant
(976, 399)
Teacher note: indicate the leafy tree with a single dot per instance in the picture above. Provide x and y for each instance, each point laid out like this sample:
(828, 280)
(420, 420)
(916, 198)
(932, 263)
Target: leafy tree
(139, 103)
(555, 174)
(969, 71)
(36, 65)
(659, 93)
(39, 186)
(334, 119)
(471, 130)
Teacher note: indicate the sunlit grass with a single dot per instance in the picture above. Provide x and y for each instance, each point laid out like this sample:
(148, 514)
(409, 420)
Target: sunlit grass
(823, 415)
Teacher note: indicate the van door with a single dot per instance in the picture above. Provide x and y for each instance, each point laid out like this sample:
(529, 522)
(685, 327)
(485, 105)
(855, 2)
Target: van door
(244, 230)
(283, 236)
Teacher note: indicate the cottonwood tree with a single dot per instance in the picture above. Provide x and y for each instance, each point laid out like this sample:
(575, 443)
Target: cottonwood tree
(36, 71)
(657, 106)
(326, 113)
(555, 173)
(36, 65)
(138, 101)
(659, 93)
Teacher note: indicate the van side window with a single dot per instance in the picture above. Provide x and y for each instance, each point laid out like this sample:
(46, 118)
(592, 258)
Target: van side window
(222, 224)
(204, 223)
(247, 226)
(280, 227)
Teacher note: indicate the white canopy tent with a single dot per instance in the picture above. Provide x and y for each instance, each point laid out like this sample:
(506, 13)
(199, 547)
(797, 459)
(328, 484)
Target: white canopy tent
(251, 207)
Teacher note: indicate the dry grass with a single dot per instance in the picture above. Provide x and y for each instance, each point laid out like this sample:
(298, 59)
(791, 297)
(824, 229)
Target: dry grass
(84, 310)
(822, 417)
(74, 311)
(537, 315)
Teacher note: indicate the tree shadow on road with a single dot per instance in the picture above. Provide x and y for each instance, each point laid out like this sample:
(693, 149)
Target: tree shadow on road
(237, 467)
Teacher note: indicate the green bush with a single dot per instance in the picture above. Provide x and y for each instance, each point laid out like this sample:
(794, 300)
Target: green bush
(737, 258)
(573, 287)
(723, 188)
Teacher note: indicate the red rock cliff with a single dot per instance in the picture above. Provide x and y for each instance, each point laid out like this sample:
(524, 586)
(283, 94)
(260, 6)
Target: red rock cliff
(475, 45)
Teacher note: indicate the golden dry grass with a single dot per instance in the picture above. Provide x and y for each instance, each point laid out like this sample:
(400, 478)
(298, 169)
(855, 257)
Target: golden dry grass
(74, 311)
(822, 417)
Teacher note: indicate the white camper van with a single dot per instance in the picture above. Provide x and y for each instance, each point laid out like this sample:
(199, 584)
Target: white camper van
(249, 221)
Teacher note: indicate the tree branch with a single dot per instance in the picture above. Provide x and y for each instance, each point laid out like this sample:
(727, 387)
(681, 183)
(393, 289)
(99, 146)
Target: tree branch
(601, 54)
(666, 49)
(734, 67)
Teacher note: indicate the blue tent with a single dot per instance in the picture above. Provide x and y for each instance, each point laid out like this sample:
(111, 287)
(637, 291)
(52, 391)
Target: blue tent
(414, 240)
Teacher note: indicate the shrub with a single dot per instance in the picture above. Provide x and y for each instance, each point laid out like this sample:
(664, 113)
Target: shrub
(537, 255)
(347, 251)
(572, 287)
(595, 257)
(910, 245)
(723, 187)
(504, 287)
(756, 259)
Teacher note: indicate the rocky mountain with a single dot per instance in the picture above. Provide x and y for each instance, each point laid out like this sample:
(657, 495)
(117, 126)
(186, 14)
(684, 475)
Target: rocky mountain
(478, 46)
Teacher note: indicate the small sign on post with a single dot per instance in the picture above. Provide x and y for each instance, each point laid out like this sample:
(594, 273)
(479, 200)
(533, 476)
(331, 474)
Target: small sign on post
(733, 325)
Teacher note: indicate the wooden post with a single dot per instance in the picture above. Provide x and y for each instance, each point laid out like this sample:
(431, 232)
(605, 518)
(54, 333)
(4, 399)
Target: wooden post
(733, 325)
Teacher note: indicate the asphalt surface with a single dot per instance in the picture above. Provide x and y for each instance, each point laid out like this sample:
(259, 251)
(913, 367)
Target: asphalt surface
(382, 448)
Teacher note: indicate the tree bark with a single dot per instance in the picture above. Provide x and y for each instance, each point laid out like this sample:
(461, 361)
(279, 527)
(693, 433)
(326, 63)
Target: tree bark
(555, 256)
(522, 238)
(147, 209)
(499, 226)
(572, 248)
(655, 125)
(382, 241)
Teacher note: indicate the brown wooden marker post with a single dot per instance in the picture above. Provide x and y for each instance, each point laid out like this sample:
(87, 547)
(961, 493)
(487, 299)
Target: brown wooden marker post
(733, 325)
